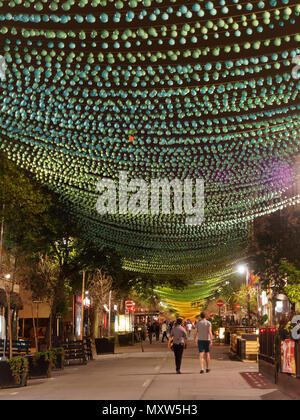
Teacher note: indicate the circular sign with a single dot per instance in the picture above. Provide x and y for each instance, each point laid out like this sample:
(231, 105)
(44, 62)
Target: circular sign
(220, 302)
(129, 304)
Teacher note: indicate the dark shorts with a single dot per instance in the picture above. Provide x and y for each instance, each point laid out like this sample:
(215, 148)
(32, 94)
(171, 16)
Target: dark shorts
(203, 345)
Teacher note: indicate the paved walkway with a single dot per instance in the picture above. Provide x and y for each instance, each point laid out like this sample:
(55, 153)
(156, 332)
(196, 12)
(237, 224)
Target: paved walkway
(131, 374)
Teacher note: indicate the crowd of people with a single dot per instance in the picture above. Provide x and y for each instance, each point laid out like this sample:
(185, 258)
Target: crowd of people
(176, 334)
(160, 330)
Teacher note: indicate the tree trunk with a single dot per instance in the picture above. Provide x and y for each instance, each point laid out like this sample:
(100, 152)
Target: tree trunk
(95, 323)
(9, 293)
(2, 237)
(9, 331)
(34, 330)
(58, 301)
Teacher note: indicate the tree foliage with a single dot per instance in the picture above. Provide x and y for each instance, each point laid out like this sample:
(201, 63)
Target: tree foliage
(291, 277)
(30, 213)
(275, 248)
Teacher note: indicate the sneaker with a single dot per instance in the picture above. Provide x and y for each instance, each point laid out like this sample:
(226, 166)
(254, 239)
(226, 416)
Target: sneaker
(207, 370)
(178, 371)
(201, 371)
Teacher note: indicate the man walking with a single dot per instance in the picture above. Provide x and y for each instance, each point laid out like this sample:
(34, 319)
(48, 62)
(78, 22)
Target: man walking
(203, 329)
(179, 342)
(156, 329)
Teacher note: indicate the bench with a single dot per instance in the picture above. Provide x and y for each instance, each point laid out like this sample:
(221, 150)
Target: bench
(75, 350)
(88, 348)
(19, 348)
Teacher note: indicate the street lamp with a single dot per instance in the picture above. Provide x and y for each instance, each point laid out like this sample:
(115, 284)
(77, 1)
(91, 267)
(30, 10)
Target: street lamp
(243, 269)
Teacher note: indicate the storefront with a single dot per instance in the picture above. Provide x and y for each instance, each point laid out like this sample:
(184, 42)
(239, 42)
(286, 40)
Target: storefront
(143, 317)
(34, 316)
(78, 323)
(15, 306)
(123, 323)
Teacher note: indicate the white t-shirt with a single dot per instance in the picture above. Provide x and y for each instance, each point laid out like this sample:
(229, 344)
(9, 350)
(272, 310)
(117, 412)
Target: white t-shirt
(203, 327)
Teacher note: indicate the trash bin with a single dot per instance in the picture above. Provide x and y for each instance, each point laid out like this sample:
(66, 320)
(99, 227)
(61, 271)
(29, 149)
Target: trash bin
(105, 345)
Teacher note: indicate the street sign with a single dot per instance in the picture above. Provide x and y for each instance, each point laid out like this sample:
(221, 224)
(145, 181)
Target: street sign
(220, 302)
(129, 304)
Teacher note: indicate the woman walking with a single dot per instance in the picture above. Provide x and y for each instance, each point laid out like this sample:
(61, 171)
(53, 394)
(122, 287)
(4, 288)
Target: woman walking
(179, 336)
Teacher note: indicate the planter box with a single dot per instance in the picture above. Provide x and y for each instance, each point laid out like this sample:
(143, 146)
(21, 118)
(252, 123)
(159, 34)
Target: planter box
(125, 340)
(39, 368)
(7, 379)
(267, 368)
(104, 345)
(60, 361)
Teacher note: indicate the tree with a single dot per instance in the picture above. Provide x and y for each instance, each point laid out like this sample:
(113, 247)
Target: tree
(241, 297)
(25, 210)
(274, 248)
(291, 276)
(99, 285)
(24, 218)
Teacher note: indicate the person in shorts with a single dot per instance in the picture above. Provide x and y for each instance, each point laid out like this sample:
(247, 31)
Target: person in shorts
(204, 332)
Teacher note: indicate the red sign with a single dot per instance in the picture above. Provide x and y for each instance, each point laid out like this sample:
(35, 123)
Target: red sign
(288, 364)
(129, 304)
(220, 302)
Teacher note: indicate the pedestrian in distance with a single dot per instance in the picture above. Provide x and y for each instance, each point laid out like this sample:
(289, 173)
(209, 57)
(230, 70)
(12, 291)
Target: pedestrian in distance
(150, 330)
(185, 325)
(189, 328)
(179, 336)
(143, 332)
(204, 332)
(164, 329)
(156, 330)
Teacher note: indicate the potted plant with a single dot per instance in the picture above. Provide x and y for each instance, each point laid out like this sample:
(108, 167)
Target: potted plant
(41, 364)
(59, 357)
(105, 345)
(125, 339)
(13, 372)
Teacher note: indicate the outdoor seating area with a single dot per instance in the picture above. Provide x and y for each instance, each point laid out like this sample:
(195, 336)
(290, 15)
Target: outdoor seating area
(25, 364)
(244, 344)
(19, 348)
(79, 350)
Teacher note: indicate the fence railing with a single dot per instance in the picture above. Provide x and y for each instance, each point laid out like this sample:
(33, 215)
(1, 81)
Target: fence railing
(268, 352)
(267, 344)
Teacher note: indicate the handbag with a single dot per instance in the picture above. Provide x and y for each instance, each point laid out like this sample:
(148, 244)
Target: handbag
(172, 343)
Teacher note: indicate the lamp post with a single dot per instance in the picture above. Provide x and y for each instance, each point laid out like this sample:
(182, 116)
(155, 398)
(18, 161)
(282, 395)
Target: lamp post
(243, 268)
(36, 324)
